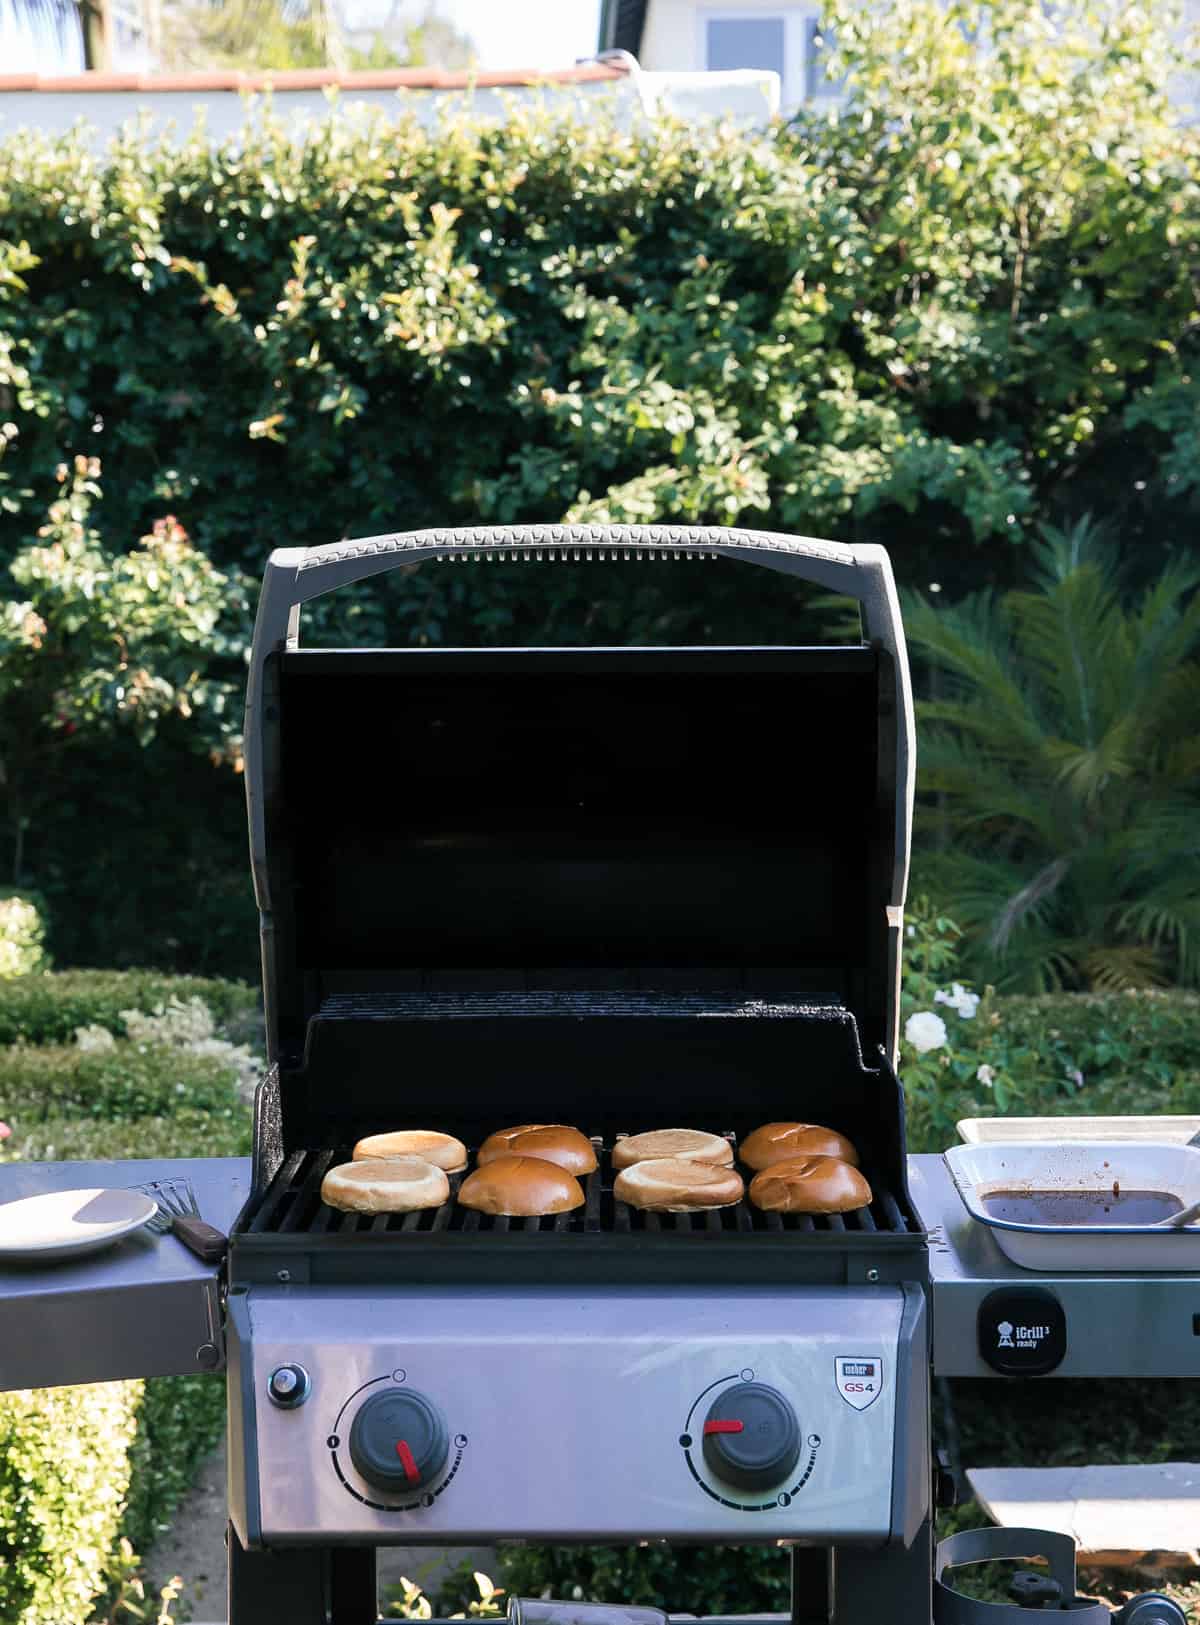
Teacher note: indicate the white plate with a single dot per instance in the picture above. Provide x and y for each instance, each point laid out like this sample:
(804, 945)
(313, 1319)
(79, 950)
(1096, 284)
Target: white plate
(980, 1171)
(66, 1224)
(1025, 1130)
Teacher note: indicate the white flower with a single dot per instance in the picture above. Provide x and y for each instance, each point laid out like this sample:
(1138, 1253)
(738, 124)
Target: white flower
(94, 1038)
(173, 1023)
(986, 1075)
(960, 999)
(925, 1031)
(1075, 1076)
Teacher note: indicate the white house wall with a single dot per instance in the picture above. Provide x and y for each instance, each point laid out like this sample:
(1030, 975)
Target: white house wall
(223, 113)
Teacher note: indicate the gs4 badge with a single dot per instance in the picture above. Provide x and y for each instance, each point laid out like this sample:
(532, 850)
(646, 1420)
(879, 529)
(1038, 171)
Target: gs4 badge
(859, 1379)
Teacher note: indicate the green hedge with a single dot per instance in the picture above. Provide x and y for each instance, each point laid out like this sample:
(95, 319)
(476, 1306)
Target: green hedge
(185, 1132)
(1147, 1042)
(181, 1419)
(127, 1081)
(48, 1009)
(934, 341)
(548, 316)
(64, 1474)
(1057, 1055)
(81, 1468)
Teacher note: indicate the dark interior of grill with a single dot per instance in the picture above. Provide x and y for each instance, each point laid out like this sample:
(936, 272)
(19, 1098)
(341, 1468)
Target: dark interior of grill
(610, 1062)
(508, 819)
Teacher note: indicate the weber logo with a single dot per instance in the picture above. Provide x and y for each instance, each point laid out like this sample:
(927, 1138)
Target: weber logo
(859, 1381)
(1022, 1331)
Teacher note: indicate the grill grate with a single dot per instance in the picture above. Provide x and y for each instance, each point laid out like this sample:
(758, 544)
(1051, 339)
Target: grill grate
(292, 1205)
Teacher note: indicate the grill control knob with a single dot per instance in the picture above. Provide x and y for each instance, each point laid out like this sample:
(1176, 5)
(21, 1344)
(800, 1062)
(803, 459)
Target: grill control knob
(288, 1386)
(399, 1440)
(751, 1437)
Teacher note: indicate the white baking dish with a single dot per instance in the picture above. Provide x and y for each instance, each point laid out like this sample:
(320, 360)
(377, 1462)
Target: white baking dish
(980, 1171)
(1163, 1130)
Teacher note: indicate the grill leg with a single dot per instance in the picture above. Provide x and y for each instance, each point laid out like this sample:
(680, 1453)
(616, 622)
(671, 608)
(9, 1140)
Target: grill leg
(311, 1586)
(812, 1574)
(893, 1585)
(354, 1588)
(276, 1588)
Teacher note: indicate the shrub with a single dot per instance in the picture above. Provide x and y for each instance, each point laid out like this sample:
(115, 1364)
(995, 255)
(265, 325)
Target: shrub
(64, 1473)
(969, 1055)
(180, 1420)
(124, 1081)
(22, 936)
(964, 310)
(839, 330)
(184, 1132)
(78, 1466)
(1061, 768)
(49, 1009)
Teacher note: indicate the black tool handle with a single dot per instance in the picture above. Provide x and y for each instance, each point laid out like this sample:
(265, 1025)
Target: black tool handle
(207, 1242)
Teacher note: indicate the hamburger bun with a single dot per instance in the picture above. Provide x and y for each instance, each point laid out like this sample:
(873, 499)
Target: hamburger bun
(682, 1144)
(676, 1185)
(553, 1142)
(442, 1150)
(810, 1185)
(521, 1188)
(385, 1185)
(780, 1142)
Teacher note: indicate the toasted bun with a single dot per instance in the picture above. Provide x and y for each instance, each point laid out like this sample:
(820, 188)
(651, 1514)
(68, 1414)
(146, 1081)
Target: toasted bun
(810, 1185)
(553, 1142)
(385, 1185)
(675, 1185)
(521, 1187)
(780, 1142)
(688, 1144)
(442, 1150)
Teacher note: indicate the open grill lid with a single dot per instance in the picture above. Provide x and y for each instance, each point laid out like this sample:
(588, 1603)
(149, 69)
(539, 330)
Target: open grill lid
(646, 822)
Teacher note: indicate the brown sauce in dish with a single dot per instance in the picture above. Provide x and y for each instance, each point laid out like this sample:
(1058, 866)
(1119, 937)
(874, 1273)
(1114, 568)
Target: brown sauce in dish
(1113, 1206)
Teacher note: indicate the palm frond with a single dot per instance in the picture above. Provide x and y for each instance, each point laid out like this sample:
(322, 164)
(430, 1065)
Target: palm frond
(1063, 750)
(1027, 900)
(970, 643)
(1117, 967)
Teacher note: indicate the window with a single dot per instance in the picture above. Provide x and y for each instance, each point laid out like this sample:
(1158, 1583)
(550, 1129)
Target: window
(786, 40)
(745, 42)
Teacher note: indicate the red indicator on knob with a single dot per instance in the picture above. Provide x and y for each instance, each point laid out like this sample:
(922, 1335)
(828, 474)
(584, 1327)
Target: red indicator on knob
(724, 1427)
(409, 1464)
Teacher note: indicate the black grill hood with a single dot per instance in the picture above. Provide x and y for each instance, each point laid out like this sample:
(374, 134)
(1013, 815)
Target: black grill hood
(507, 882)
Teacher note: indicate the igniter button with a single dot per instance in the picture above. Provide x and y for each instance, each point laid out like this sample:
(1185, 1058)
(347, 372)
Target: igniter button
(288, 1386)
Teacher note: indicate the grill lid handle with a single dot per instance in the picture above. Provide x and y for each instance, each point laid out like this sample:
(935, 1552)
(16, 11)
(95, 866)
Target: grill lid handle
(295, 574)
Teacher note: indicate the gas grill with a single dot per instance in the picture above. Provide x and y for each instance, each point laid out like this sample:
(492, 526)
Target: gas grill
(626, 889)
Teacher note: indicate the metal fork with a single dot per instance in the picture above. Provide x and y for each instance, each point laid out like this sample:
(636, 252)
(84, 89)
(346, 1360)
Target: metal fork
(178, 1215)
